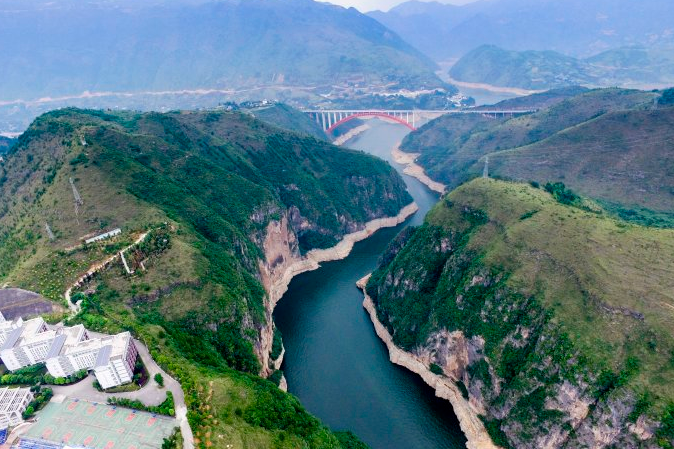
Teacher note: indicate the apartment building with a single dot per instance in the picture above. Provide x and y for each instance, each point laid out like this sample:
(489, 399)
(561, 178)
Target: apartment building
(26, 344)
(13, 402)
(67, 350)
(116, 361)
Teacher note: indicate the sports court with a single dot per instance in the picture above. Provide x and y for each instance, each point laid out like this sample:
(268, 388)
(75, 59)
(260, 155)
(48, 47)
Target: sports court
(79, 423)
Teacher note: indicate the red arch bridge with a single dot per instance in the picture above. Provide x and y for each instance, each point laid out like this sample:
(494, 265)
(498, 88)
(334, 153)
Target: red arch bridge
(329, 119)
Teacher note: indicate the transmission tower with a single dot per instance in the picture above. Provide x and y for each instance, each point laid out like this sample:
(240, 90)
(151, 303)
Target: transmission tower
(485, 171)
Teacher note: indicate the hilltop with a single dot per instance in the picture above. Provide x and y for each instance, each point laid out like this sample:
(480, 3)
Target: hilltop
(612, 145)
(286, 117)
(228, 203)
(538, 70)
(554, 321)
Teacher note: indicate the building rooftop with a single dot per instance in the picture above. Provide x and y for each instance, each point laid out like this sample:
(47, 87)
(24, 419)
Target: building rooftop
(113, 346)
(9, 399)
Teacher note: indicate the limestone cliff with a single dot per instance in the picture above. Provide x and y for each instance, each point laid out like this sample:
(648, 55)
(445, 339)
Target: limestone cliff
(466, 411)
(505, 309)
(283, 261)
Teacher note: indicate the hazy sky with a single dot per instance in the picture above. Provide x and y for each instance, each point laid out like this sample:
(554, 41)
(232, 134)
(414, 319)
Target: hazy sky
(384, 5)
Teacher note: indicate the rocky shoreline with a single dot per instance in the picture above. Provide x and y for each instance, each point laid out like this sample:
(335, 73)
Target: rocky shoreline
(282, 265)
(470, 422)
(415, 170)
(341, 140)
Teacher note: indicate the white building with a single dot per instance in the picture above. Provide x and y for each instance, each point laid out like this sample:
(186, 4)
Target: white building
(27, 344)
(116, 360)
(113, 358)
(71, 351)
(104, 236)
(6, 327)
(13, 402)
(67, 350)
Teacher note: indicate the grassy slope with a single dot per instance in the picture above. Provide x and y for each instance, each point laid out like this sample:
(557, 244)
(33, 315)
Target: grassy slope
(286, 117)
(631, 164)
(588, 274)
(622, 143)
(216, 179)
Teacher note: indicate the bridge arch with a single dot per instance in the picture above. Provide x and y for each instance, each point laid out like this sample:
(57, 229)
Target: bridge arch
(379, 114)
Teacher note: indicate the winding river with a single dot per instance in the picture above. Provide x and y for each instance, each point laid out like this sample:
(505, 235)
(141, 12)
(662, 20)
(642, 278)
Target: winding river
(334, 361)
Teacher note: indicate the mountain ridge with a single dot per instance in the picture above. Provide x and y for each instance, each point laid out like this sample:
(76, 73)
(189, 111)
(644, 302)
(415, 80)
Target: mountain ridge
(207, 186)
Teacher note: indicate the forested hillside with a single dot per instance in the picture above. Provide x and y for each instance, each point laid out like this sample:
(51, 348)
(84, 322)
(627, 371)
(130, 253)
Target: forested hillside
(630, 66)
(5, 144)
(612, 145)
(206, 195)
(286, 117)
(554, 320)
(67, 48)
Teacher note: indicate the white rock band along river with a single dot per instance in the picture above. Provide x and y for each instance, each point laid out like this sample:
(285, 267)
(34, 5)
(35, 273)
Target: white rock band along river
(334, 361)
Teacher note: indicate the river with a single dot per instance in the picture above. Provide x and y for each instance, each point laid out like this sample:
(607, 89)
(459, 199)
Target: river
(334, 361)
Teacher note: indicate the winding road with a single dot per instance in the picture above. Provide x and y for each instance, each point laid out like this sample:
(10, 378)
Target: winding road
(151, 393)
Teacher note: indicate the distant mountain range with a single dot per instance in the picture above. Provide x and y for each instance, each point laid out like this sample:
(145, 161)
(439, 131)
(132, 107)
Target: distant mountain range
(67, 47)
(538, 70)
(578, 28)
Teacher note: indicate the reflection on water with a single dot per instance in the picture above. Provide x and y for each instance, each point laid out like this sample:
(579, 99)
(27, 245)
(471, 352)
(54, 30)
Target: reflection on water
(334, 361)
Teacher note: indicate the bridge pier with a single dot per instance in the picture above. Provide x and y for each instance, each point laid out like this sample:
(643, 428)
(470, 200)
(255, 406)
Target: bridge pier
(329, 119)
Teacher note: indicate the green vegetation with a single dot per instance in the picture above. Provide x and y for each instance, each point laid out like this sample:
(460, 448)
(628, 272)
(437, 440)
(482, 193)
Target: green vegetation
(667, 98)
(350, 441)
(626, 165)
(42, 397)
(206, 186)
(6, 144)
(541, 70)
(175, 441)
(536, 70)
(285, 117)
(277, 345)
(435, 369)
(165, 408)
(37, 374)
(276, 377)
(159, 379)
(539, 291)
(73, 378)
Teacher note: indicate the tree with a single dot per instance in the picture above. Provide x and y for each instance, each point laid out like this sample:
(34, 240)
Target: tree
(28, 412)
(159, 379)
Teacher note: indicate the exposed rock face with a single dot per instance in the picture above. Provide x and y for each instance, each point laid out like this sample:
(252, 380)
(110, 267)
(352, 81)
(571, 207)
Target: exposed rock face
(283, 261)
(415, 170)
(539, 395)
(445, 388)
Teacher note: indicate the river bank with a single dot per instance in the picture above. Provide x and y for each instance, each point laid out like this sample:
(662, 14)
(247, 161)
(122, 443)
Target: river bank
(341, 140)
(276, 277)
(470, 422)
(334, 363)
(415, 170)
